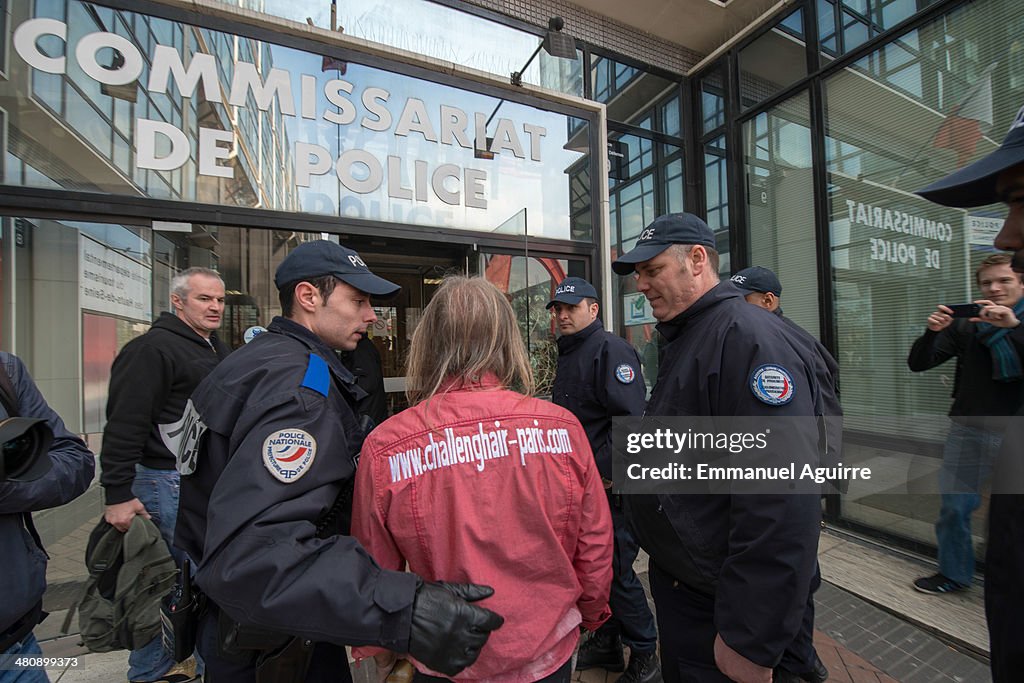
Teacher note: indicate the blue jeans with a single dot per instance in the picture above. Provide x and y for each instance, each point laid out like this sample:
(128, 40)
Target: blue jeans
(966, 466)
(27, 646)
(158, 491)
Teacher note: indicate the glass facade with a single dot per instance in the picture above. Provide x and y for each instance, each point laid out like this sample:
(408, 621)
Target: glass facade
(438, 31)
(111, 112)
(773, 61)
(830, 207)
(116, 102)
(894, 255)
(780, 203)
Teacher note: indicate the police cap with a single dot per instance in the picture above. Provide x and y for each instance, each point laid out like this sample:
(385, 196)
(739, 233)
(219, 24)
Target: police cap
(323, 257)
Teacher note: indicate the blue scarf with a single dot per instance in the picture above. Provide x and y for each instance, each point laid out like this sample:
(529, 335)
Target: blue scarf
(1006, 365)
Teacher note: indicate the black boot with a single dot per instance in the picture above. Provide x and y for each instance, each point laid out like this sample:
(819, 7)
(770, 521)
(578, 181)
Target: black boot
(820, 672)
(817, 675)
(643, 668)
(602, 650)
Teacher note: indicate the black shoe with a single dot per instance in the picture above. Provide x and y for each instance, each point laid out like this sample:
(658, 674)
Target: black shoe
(643, 668)
(601, 650)
(938, 584)
(820, 673)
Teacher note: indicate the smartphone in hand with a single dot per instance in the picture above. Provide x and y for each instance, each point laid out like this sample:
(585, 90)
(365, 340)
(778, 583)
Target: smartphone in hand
(964, 310)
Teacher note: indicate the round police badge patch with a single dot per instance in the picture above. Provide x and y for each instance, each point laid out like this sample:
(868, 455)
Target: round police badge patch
(625, 373)
(772, 384)
(289, 453)
(252, 333)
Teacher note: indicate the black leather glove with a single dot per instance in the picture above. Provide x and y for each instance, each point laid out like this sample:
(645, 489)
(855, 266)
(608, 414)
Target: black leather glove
(448, 632)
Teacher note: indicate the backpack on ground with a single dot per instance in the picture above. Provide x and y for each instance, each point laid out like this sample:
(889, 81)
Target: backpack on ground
(129, 574)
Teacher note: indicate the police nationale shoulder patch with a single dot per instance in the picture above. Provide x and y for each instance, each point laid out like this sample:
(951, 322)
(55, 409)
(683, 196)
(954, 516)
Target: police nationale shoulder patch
(625, 373)
(289, 454)
(772, 384)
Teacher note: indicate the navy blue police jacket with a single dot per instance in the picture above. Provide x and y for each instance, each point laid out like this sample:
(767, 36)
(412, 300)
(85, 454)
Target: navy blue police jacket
(827, 373)
(598, 378)
(754, 555)
(272, 440)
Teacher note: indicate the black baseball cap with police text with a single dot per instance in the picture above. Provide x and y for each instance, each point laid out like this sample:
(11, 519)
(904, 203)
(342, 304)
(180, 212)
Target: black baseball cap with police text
(757, 279)
(663, 232)
(975, 184)
(323, 257)
(572, 290)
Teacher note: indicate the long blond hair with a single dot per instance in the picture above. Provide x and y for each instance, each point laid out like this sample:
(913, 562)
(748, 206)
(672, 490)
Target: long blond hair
(467, 331)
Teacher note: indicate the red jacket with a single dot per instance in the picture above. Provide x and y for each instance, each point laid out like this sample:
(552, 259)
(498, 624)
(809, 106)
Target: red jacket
(487, 486)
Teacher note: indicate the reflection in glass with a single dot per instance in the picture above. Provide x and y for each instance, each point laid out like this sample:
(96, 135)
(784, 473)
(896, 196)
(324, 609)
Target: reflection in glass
(780, 204)
(771, 63)
(716, 185)
(712, 89)
(629, 93)
(794, 23)
(441, 32)
(845, 24)
(280, 129)
(906, 114)
(675, 185)
(529, 283)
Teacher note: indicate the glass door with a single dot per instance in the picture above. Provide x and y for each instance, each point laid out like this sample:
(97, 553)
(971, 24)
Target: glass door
(529, 282)
(419, 268)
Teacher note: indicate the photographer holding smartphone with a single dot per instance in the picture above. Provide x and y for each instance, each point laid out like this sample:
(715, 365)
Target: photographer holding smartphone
(987, 387)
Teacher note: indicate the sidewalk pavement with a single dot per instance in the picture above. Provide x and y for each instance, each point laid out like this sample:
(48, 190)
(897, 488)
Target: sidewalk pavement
(844, 667)
(888, 650)
(872, 627)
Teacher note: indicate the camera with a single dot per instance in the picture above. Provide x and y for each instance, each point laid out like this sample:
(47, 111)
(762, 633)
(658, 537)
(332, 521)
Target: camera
(964, 310)
(24, 447)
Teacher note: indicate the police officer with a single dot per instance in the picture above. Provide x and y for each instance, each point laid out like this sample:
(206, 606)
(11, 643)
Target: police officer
(999, 177)
(598, 377)
(267, 467)
(762, 288)
(730, 573)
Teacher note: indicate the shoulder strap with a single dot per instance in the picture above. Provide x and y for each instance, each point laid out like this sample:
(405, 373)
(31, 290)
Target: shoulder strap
(8, 396)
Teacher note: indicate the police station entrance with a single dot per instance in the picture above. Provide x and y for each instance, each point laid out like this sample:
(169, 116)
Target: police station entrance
(114, 278)
(527, 277)
(129, 159)
(419, 267)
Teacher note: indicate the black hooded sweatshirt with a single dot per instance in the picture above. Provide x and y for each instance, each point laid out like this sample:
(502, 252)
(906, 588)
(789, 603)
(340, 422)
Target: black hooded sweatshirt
(150, 383)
